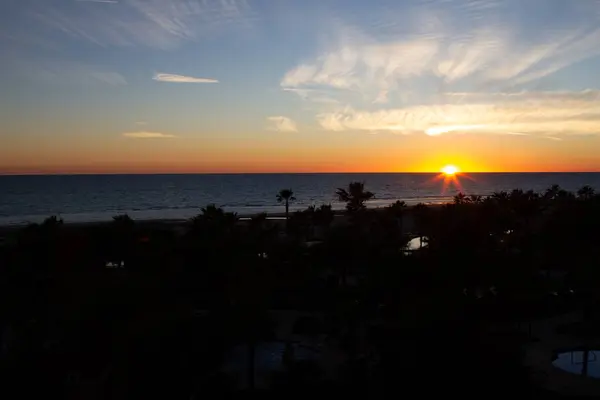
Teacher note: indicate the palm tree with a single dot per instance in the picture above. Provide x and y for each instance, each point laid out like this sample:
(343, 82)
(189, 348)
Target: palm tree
(552, 192)
(212, 212)
(397, 208)
(460, 198)
(585, 193)
(123, 221)
(213, 219)
(474, 199)
(52, 222)
(355, 197)
(286, 195)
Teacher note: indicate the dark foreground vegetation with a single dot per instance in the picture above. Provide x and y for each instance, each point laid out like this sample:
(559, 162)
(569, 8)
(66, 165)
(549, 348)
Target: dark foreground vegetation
(128, 310)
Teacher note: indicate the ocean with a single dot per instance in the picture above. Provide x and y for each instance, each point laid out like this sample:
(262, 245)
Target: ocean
(89, 198)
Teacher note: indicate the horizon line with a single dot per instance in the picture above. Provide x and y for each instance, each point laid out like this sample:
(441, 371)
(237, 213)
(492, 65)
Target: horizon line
(289, 173)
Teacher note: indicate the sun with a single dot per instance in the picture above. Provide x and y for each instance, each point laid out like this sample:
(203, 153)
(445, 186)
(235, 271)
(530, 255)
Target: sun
(450, 170)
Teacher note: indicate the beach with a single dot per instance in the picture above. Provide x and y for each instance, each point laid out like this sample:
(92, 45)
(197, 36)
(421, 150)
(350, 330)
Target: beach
(180, 226)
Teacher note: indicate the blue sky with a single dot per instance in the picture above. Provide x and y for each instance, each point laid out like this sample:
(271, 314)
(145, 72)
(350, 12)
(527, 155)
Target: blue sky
(287, 75)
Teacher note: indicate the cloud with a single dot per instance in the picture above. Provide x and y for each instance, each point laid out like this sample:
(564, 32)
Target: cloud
(367, 68)
(162, 24)
(437, 67)
(282, 124)
(141, 122)
(147, 135)
(444, 45)
(487, 57)
(182, 79)
(544, 114)
(98, 1)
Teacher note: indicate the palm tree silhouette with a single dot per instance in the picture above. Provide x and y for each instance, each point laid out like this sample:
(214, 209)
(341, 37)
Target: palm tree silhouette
(474, 199)
(214, 222)
(552, 192)
(286, 195)
(585, 193)
(355, 197)
(213, 214)
(52, 222)
(123, 221)
(460, 198)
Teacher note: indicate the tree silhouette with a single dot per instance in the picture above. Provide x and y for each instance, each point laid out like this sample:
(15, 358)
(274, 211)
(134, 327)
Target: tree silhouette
(585, 193)
(287, 196)
(123, 220)
(490, 260)
(214, 215)
(214, 223)
(52, 222)
(474, 199)
(552, 192)
(355, 196)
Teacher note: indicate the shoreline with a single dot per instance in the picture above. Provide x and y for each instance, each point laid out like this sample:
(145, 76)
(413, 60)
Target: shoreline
(174, 223)
(273, 211)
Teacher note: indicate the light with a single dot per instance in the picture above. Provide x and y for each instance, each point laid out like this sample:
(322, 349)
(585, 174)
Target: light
(449, 170)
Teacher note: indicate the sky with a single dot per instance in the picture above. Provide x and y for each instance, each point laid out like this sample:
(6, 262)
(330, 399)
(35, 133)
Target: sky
(187, 86)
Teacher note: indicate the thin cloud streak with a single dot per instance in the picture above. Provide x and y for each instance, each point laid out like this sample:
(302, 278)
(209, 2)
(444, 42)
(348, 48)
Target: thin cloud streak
(98, 1)
(147, 135)
(282, 124)
(162, 24)
(182, 79)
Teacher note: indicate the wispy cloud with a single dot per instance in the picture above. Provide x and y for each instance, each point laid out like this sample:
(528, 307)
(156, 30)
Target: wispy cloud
(160, 24)
(98, 1)
(182, 79)
(435, 67)
(147, 135)
(439, 45)
(544, 114)
(376, 69)
(141, 122)
(282, 124)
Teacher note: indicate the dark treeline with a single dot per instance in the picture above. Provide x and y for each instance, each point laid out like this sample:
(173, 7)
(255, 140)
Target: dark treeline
(129, 310)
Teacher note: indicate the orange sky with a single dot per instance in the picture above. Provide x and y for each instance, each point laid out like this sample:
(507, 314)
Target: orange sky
(195, 86)
(373, 153)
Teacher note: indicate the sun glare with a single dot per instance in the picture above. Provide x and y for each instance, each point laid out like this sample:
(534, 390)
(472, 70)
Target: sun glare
(450, 170)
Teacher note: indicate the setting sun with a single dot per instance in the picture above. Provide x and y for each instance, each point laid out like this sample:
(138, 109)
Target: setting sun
(450, 170)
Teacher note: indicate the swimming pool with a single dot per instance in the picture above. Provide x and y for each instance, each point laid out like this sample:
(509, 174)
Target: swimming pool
(580, 362)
